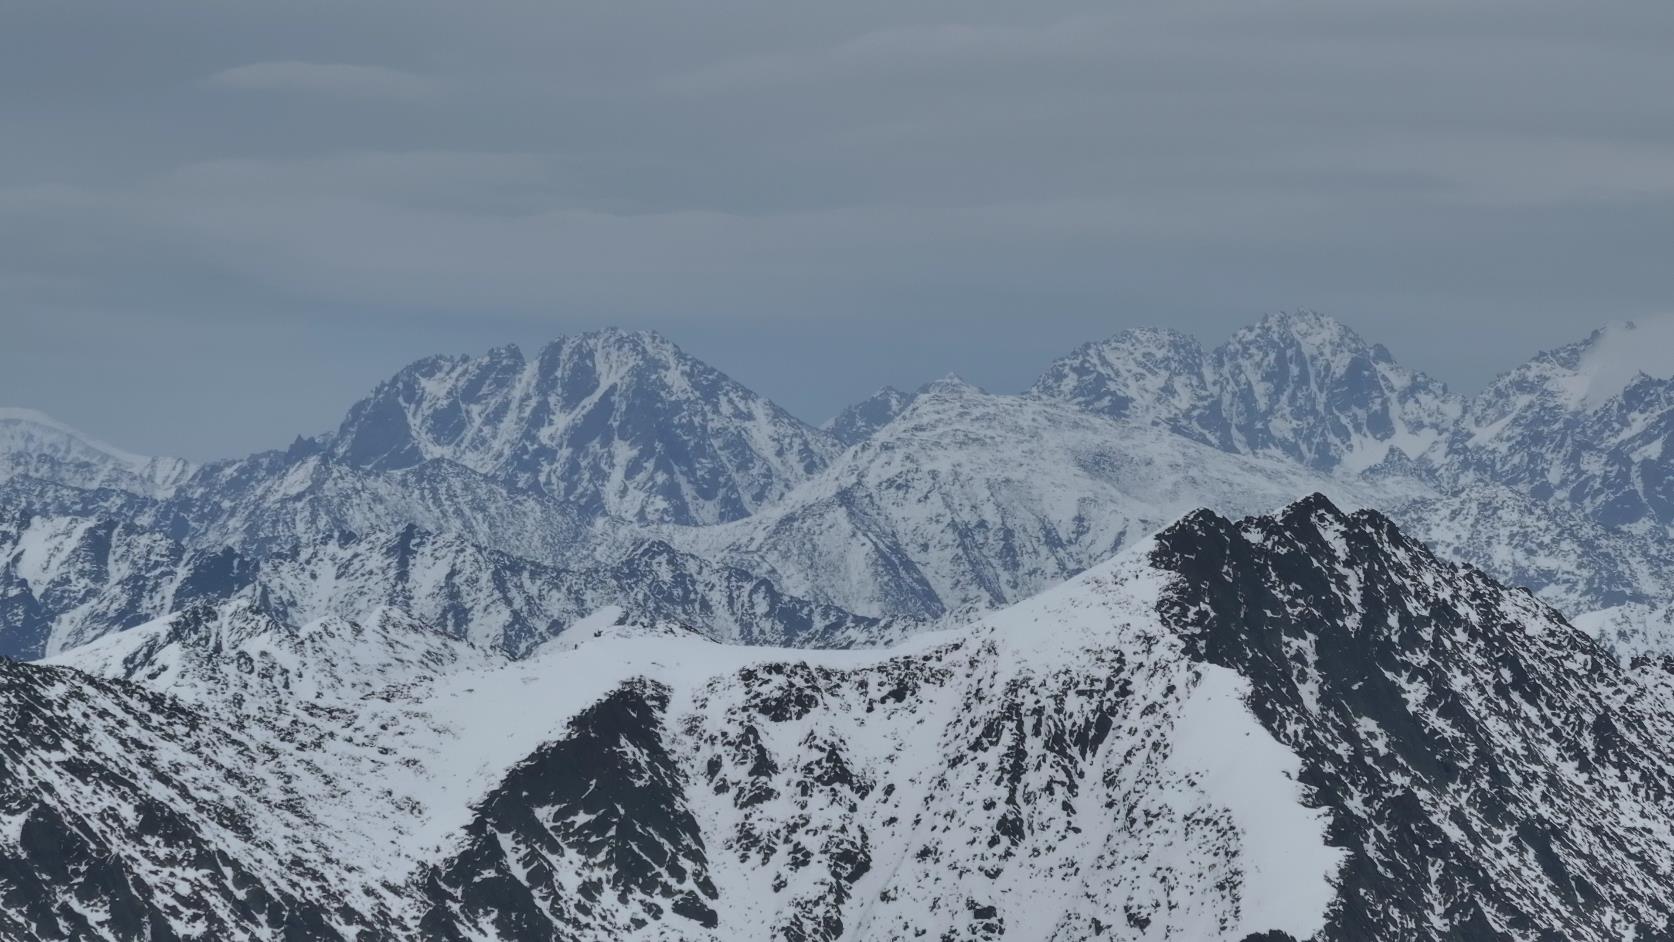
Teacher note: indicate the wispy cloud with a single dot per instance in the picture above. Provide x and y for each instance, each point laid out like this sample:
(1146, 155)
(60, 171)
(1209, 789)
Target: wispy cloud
(930, 46)
(324, 78)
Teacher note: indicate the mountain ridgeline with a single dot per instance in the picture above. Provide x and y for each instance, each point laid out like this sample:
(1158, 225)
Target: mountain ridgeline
(1298, 726)
(1274, 640)
(921, 506)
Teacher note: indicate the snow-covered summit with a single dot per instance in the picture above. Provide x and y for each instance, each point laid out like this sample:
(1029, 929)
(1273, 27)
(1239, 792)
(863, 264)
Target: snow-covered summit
(36, 445)
(1588, 424)
(1301, 386)
(613, 421)
(1151, 375)
(1607, 361)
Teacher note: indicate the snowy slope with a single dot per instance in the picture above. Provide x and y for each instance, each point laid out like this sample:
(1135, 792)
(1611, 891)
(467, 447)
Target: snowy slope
(1302, 724)
(972, 500)
(275, 500)
(35, 445)
(65, 580)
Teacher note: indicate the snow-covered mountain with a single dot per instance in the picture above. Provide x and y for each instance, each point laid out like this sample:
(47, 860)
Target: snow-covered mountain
(1147, 375)
(1296, 385)
(1298, 726)
(1569, 560)
(35, 445)
(948, 499)
(1587, 425)
(271, 501)
(971, 500)
(613, 422)
(66, 580)
(1554, 477)
(859, 421)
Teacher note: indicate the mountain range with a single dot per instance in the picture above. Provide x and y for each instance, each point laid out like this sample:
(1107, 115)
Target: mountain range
(1279, 639)
(915, 507)
(1297, 726)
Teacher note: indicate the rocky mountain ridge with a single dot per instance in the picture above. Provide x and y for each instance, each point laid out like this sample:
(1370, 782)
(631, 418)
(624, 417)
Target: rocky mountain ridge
(1298, 726)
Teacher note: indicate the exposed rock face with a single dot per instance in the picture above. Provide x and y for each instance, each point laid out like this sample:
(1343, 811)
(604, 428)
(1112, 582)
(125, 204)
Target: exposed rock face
(129, 816)
(600, 812)
(1470, 744)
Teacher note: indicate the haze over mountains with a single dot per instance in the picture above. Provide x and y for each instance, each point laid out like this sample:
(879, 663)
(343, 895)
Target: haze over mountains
(509, 654)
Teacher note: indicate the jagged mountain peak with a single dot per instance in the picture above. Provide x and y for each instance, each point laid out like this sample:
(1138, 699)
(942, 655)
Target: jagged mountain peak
(1312, 527)
(1506, 740)
(861, 420)
(952, 386)
(1305, 326)
(1305, 386)
(1613, 357)
(1150, 375)
(1581, 376)
(616, 353)
(1300, 385)
(1586, 424)
(615, 422)
(1164, 348)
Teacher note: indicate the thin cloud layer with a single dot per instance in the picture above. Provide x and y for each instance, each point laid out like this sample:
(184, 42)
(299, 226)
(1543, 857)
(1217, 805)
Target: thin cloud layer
(323, 79)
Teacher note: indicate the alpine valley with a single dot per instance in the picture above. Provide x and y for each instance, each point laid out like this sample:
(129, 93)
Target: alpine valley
(1279, 640)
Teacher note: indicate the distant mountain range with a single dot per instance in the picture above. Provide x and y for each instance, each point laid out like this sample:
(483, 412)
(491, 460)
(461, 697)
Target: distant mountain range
(917, 506)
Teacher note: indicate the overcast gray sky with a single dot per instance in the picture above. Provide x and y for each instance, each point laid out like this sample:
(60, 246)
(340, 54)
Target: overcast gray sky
(221, 223)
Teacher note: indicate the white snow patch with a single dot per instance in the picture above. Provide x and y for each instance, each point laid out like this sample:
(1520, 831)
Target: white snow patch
(1619, 353)
(1289, 870)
